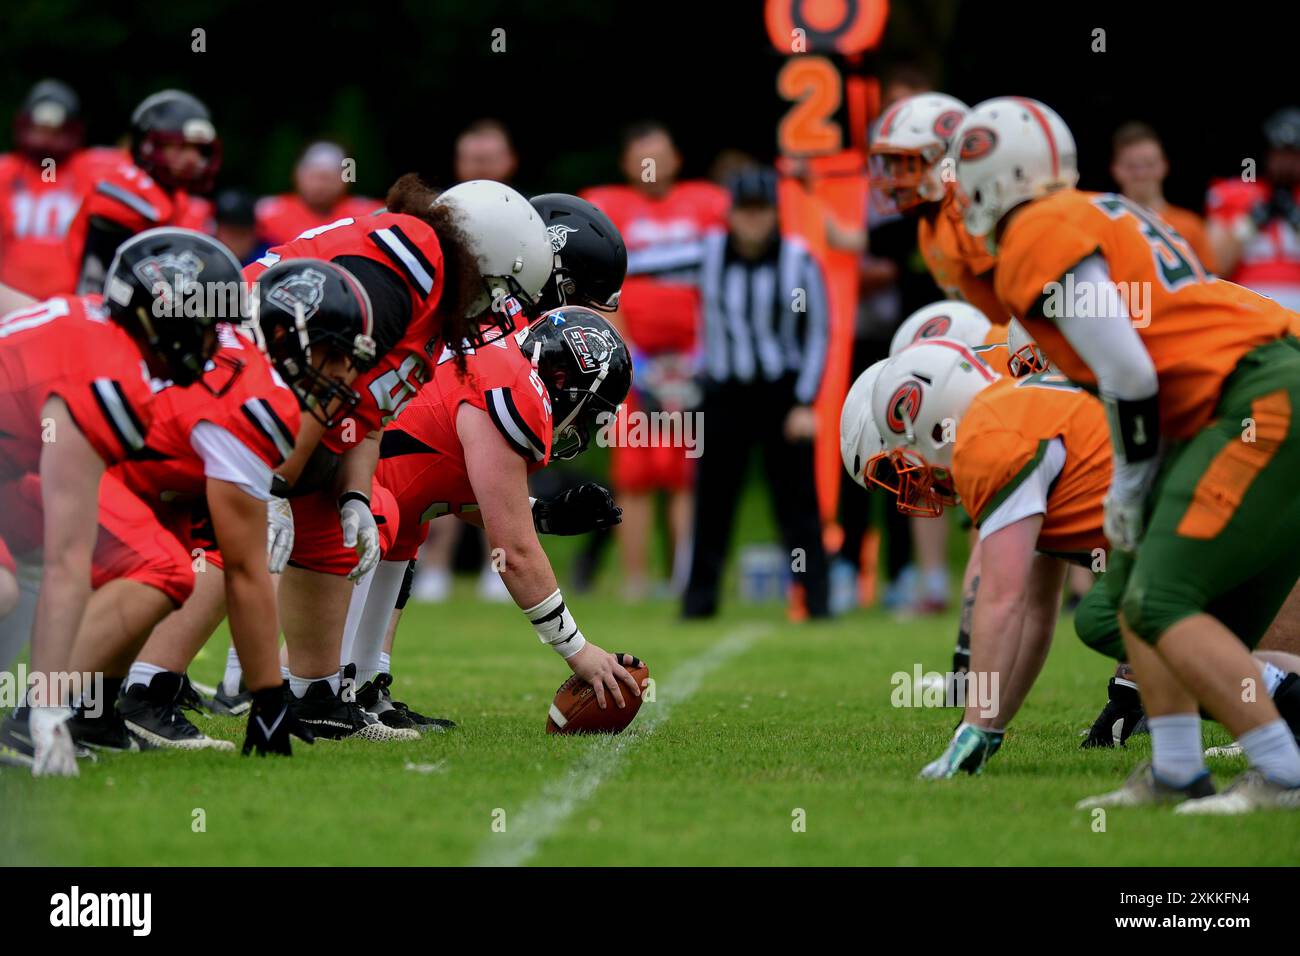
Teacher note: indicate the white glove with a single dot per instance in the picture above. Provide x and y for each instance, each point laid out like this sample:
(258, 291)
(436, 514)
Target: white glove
(279, 533)
(1126, 501)
(360, 532)
(55, 754)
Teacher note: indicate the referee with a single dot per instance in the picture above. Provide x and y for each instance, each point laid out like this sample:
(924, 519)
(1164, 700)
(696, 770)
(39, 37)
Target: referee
(765, 318)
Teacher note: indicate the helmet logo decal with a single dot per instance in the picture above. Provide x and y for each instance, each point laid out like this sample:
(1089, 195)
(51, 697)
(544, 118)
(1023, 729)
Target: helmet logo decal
(559, 235)
(976, 143)
(904, 405)
(590, 347)
(169, 273)
(933, 328)
(946, 124)
(305, 288)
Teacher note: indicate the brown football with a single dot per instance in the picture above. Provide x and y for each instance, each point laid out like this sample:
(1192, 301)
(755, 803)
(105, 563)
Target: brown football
(575, 711)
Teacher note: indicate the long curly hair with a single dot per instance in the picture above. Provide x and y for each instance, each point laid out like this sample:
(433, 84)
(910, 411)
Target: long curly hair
(461, 281)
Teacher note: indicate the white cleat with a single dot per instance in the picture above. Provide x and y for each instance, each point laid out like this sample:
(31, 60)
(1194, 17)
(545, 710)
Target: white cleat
(1142, 789)
(1250, 792)
(54, 754)
(1231, 750)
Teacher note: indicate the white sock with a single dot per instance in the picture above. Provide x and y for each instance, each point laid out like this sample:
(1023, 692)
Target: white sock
(385, 663)
(299, 685)
(1272, 750)
(1176, 754)
(234, 673)
(372, 620)
(1273, 675)
(142, 674)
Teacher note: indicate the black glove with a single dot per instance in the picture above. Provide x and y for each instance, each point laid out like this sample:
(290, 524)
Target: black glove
(588, 507)
(270, 722)
(1123, 708)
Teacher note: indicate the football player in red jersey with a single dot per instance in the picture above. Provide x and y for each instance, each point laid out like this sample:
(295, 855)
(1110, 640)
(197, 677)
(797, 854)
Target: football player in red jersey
(320, 197)
(175, 155)
(662, 220)
(41, 185)
(431, 265)
(466, 446)
(318, 327)
(66, 413)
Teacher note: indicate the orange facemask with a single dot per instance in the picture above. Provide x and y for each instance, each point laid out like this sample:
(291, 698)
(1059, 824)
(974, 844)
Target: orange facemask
(920, 489)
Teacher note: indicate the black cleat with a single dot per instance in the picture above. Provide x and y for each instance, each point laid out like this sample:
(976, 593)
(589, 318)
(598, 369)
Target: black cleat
(16, 748)
(153, 714)
(329, 715)
(106, 732)
(230, 705)
(1121, 717)
(376, 697)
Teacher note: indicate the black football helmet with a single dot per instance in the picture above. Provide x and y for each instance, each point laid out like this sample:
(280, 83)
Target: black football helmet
(303, 309)
(48, 124)
(169, 288)
(586, 368)
(590, 258)
(173, 116)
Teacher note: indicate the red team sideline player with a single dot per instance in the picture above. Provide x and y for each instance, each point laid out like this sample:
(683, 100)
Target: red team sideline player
(662, 222)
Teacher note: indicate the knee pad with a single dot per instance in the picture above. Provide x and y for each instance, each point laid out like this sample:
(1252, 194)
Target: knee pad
(1096, 621)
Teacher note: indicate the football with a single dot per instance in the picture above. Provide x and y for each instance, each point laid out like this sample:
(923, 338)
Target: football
(575, 711)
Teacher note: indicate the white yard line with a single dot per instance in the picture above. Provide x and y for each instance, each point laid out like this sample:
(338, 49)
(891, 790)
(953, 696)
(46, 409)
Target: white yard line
(529, 827)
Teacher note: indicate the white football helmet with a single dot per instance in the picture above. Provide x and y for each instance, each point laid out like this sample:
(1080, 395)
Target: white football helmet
(948, 319)
(913, 137)
(860, 441)
(1010, 150)
(1025, 356)
(508, 238)
(917, 403)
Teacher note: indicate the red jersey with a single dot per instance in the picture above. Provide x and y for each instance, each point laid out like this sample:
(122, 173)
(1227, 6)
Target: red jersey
(421, 458)
(253, 404)
(659, 305)
(125, 195)
(1270, 262)
(409, 248)
(37, 207)
(67, 346)
(281, 219)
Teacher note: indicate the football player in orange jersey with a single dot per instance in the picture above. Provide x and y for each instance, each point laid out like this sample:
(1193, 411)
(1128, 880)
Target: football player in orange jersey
(1199, 378)
(1030, 462)
(911, 170)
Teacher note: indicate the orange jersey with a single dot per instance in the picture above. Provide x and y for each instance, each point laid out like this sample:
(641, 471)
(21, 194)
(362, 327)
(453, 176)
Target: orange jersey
(959, 263)
(281, 219)
(993, 350)
(1192, 228)
(1005, 433)
(1195, 327)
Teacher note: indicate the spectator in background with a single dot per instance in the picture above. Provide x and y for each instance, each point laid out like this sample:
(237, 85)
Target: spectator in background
(484, 150)
(236, 224)
(41, 186)
(766, 328)
(320, 196)
(1254, 226)
(663, 222)
(1138, 165)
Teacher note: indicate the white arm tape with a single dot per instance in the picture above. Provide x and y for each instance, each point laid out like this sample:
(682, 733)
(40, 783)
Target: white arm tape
(555, 626)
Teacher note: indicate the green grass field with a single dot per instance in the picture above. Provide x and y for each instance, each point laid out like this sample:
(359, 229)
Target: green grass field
(754, 720)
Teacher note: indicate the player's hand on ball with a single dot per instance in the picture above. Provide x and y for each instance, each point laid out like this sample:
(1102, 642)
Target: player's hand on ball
(587, 507)
(604, 673)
